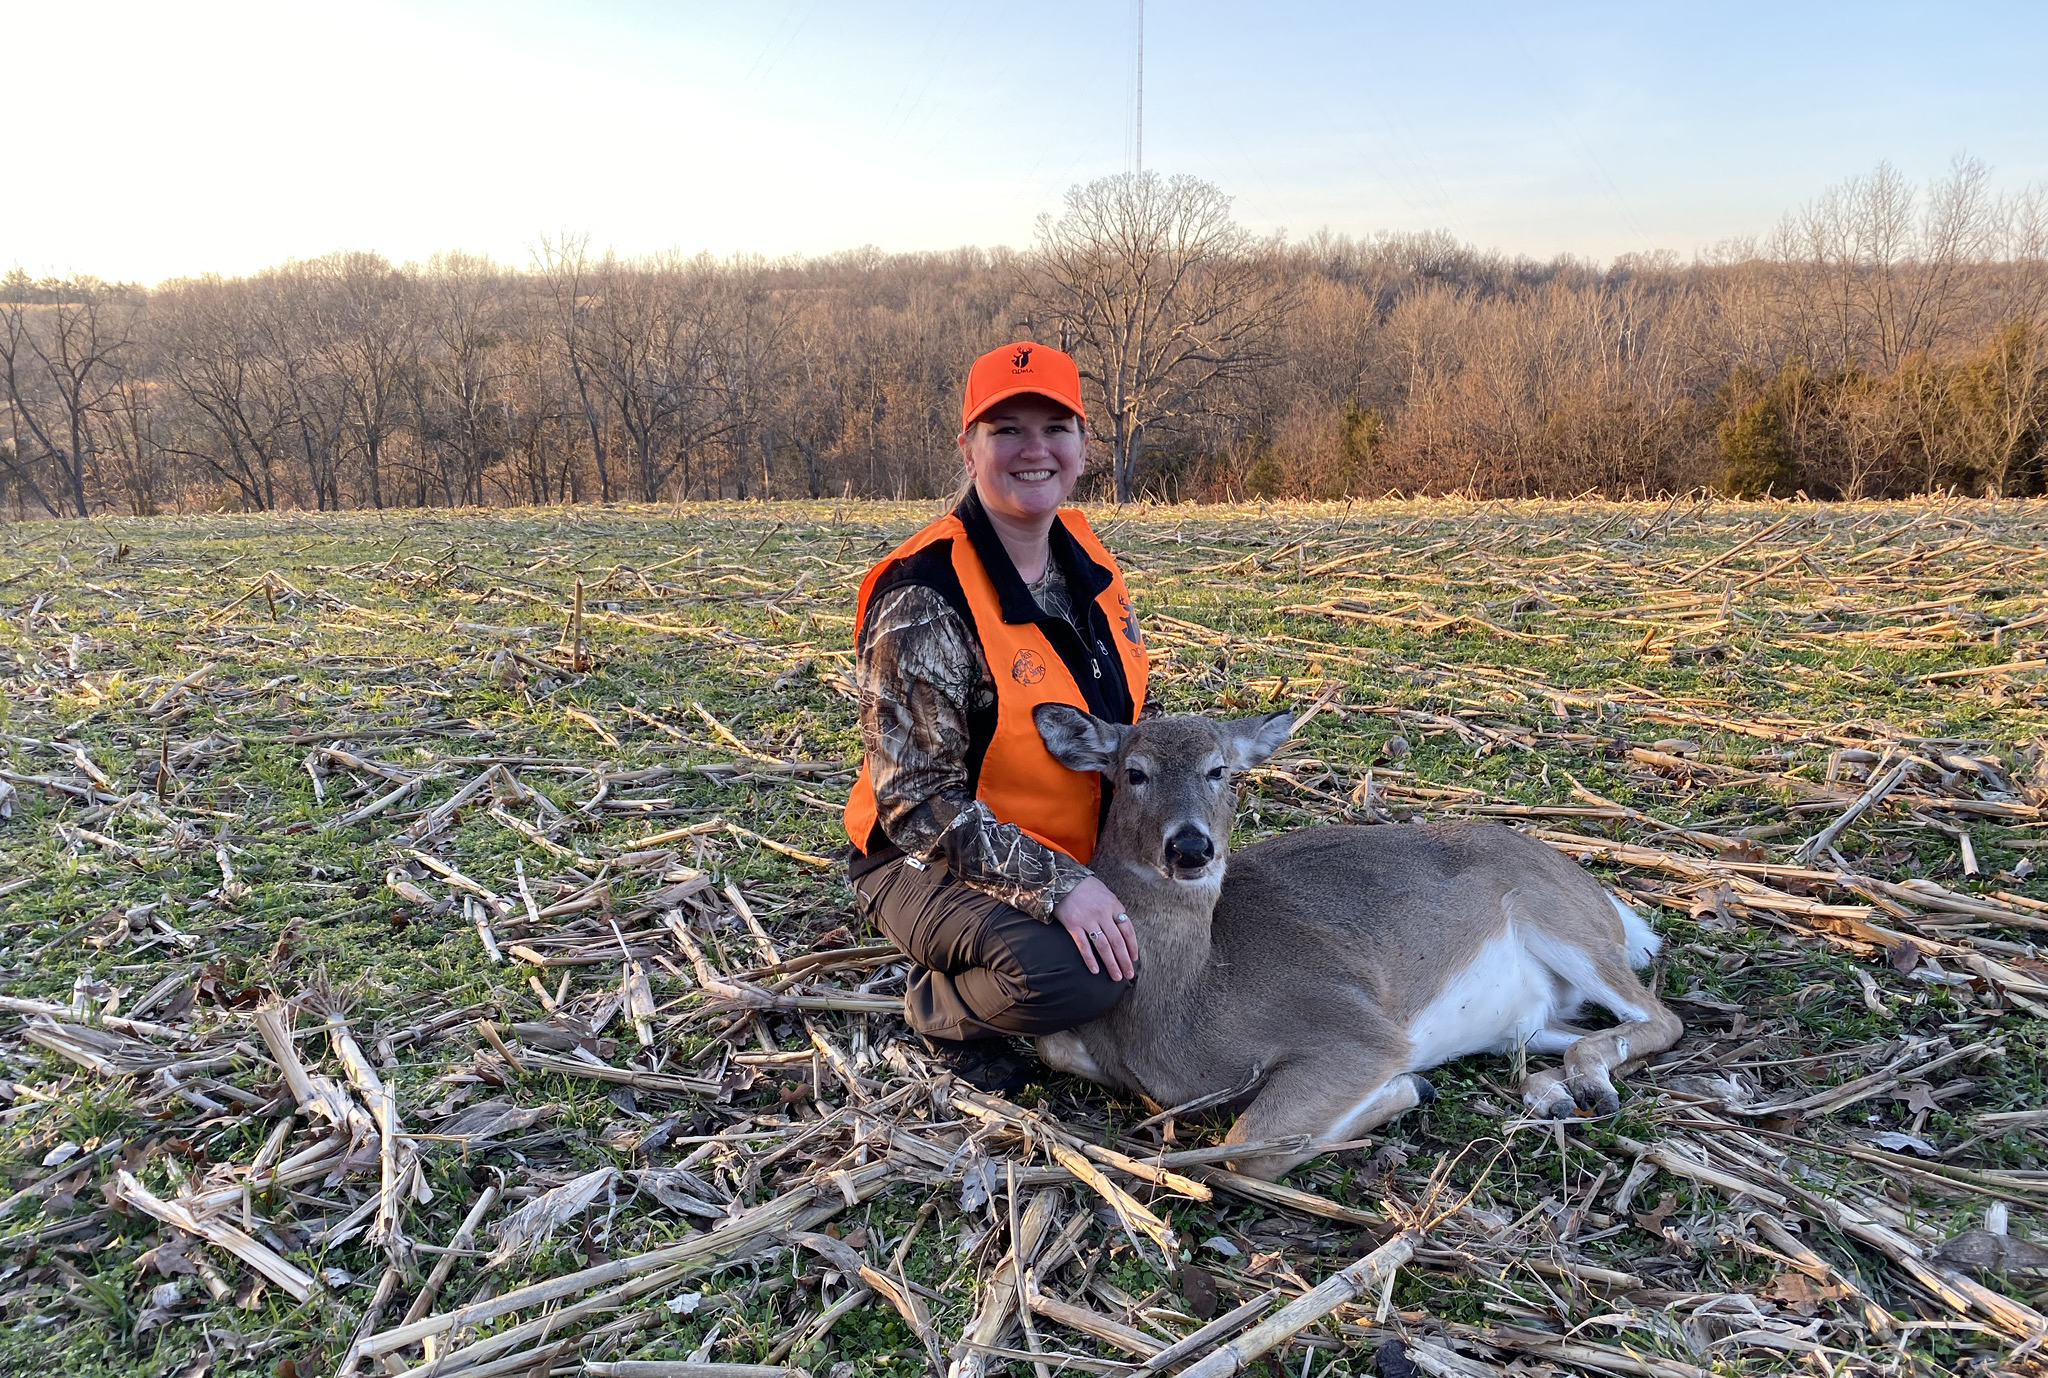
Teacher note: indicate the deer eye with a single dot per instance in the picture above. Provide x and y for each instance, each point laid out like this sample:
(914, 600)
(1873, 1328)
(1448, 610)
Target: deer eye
(1216, 772)
(1134, 775)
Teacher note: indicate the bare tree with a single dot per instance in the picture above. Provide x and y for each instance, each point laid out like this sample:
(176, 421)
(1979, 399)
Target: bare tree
(743, 359)
(1162, 295)
(637, 350)
(1893, 338)
(542, 416)
(370, 343)
(212, 361)
(565, 270)
(308, 398)
(465, 304)
(60, 360)
(132, 436)
(1883, 268)
(2011, 387)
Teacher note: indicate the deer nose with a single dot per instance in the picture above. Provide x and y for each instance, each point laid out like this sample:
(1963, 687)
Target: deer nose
(1189, 847)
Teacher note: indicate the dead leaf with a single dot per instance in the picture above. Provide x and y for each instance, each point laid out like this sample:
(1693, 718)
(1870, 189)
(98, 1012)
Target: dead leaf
(172, 1258)
(1903, 958)
(1801, 1293)
(1918, 1096)
(593, 1251)
(164, 1301)
(1652, 1220)
(1198, 1290)
(736, 1080)
(217, 987)
(1386, 1159)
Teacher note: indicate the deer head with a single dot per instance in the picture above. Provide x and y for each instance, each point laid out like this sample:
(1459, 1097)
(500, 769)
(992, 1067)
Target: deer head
(1174, 796)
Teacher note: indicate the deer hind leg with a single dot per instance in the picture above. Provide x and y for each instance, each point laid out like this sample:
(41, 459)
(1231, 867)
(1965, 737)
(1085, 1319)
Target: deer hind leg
(1544, 1093)
(1324, 1104)
(1591, 1063)
(1591, 1060)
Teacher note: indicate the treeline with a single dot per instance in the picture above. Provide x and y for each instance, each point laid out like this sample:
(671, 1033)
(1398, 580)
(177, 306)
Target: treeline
(1885, 340)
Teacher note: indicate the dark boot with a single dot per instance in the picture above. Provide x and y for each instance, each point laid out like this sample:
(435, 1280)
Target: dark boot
(987, 1064)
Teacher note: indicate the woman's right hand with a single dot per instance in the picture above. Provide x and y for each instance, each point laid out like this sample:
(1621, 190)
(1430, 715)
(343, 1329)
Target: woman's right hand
(1096, 921)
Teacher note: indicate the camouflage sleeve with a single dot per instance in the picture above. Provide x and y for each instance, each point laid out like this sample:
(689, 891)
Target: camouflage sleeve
(920, 675)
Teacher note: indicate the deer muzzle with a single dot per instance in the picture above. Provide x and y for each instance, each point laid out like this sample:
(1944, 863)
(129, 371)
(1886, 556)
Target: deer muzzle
(1189, 850)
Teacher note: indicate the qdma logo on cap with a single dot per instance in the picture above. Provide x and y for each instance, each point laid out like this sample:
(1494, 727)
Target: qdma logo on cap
(1021, 359)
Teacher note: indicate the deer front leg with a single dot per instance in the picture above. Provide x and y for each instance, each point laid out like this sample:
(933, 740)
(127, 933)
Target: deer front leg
(1068, 1052)
(1326, 1105)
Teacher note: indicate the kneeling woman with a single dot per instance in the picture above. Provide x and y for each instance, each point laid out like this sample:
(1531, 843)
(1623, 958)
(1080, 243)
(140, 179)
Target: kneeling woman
(970, 842)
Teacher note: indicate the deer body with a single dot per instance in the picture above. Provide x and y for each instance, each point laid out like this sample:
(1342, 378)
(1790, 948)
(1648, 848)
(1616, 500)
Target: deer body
(1335, 963)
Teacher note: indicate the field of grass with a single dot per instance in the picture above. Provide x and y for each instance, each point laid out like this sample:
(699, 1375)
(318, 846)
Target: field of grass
(380, 936)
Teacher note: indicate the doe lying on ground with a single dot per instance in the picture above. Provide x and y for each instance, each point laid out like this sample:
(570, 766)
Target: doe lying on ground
(1332, 965)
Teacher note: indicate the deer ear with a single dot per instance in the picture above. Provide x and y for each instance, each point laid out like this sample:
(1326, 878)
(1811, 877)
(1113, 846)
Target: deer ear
(1076, 740)
(1248, 741)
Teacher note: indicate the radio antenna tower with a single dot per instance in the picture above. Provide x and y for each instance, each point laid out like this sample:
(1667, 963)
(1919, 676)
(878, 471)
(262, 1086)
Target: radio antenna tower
(1139, 141)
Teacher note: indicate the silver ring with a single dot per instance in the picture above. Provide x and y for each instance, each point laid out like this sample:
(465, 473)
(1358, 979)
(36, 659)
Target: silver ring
(1123, 918)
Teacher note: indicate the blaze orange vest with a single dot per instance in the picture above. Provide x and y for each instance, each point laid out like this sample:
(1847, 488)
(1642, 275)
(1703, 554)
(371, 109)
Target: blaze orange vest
(1020, 781)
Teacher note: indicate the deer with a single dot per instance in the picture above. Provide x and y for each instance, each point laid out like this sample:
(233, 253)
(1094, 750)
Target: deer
(1317, 975)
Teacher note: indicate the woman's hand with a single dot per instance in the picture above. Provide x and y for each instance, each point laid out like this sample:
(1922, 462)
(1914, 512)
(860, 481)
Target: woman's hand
(1099, 927)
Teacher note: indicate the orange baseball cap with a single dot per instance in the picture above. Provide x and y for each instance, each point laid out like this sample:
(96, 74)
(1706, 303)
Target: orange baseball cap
(1018, 368)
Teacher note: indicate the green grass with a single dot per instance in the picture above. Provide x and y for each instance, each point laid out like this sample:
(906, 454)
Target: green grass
(449, 623)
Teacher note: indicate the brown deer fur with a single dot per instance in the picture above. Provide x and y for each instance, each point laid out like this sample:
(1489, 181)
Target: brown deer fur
(1335, 963)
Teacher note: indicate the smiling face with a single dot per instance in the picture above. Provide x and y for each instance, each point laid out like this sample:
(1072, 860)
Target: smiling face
(1025, 454)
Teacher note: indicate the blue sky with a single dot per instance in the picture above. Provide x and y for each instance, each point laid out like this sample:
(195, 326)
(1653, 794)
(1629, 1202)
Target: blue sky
(221, 137)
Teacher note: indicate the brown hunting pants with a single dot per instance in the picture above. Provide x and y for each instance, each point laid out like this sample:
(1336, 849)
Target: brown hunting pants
(983, 969)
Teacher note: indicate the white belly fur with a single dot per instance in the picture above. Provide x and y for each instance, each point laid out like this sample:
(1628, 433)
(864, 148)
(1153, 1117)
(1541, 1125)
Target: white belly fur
(1495, 1005)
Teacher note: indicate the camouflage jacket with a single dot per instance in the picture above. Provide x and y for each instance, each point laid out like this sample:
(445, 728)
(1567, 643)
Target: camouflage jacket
(926, 700)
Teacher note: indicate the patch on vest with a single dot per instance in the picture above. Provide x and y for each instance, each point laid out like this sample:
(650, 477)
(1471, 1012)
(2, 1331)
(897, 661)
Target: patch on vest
(1028, 667)
(1131, 633)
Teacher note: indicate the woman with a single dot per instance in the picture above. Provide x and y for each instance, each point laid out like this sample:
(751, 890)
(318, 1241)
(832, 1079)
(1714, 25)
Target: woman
(970, 842)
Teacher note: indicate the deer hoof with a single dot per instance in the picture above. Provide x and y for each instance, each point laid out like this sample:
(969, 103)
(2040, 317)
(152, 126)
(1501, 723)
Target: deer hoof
(1594, 1098)
(1425, 1094)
